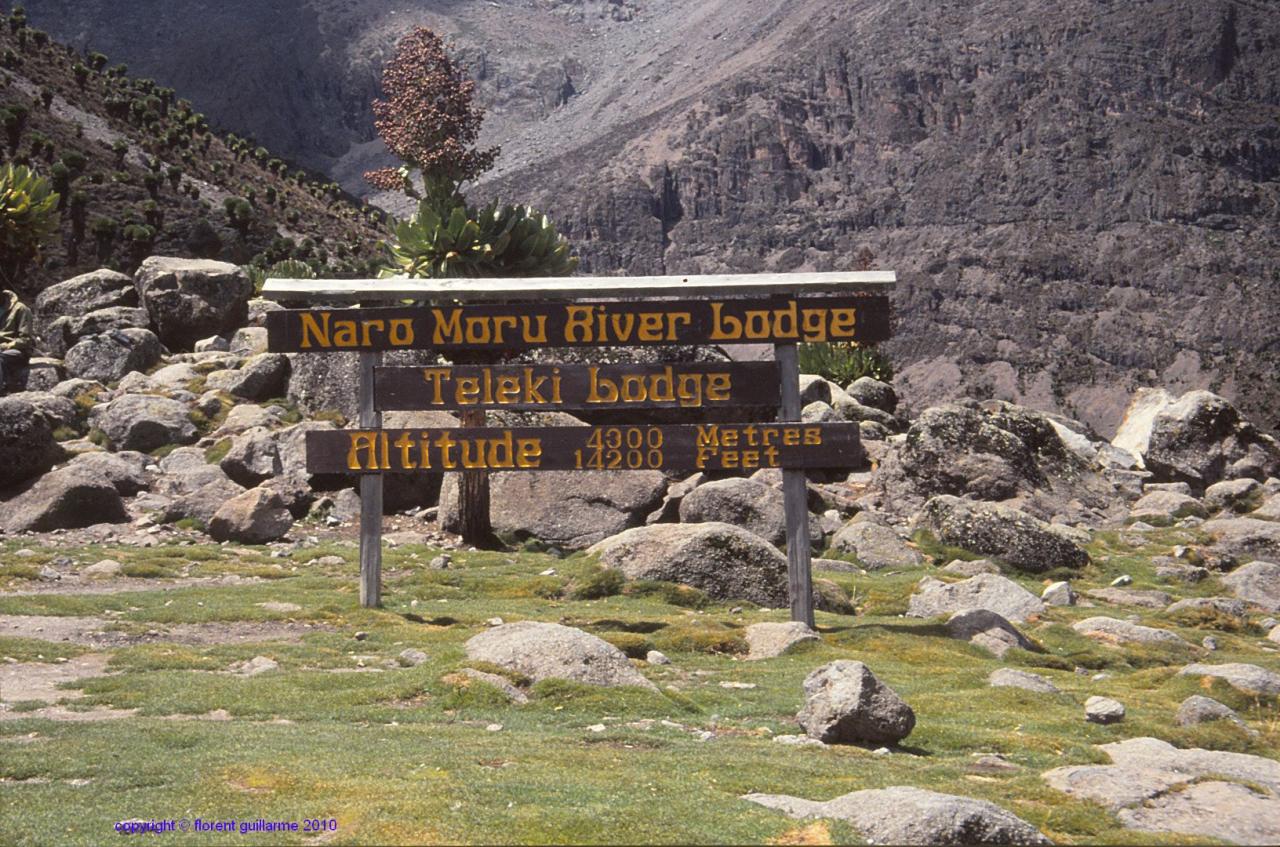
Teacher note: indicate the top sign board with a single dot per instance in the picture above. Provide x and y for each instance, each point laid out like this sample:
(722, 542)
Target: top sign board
(522, 326)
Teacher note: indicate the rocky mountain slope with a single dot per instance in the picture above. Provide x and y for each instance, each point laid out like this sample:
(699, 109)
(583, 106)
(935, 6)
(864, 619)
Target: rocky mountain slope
(140, 171)
(1079, 197)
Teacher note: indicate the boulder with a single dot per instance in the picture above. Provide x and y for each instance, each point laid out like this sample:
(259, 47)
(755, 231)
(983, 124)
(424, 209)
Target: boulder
(249, 341)
(819, 412)
(1245, 677)
(848, 409)
(972, 567)
(551, 651)
(1199, 438)
(1113, 631)
(1219, 605)
(569, 509)
(1103, 710)
(27, 447)
(1198, 709)
(126, 470)
(257, 516)
(1165, 507)
(1257, 583)
(260, 377)
(723, 560)
(191, 299)
(984, 591)
(1012, 678)
(1229, 494)
(61, 334)
(1245, 537)
(767, 640)
(814, 389)
(212, 344)
(876, 547)
(171, 378)
(144, 422)
(81, 295)
(746, 503)
(846, 704)
(912, 816)
(1058, 594)
(110, 356)
(1149, 599)
(202, 502)
(988, 630)
(1018, 539)
(327, 382)
(253, 458)
(67, 498)
(874, 393)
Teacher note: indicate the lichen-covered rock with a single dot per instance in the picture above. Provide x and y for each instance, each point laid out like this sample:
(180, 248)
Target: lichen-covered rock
(768, 640)
(984, 591)
(724, 561)
(260, 377)
(1241, 675)
(27, 446)
(1018, 539)
(191, 299)
(110, 356)
(144, 422)
(746, 503)
(126, 469)
(81, 295)
(876, 547)
(1014, 678)
(66, 498)
(1164, 507)
(62, 333)
(874, 393)
(846, 704)
(257, 516)
(551, 651)
(1114, 631)
(988, 630)
(1257, 583)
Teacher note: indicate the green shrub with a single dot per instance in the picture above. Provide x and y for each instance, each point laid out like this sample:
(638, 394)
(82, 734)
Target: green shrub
(28, 217)
(844, 362)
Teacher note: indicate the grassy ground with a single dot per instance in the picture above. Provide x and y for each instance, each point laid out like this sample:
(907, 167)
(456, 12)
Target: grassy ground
(401, 754)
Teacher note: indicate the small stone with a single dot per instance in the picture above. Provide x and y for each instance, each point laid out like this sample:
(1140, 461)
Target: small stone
(1209, 643)
(441, 562)
(255, 666)
(1103, 710)
(599, 727)
(654, 657)
(494, 727)
(1122, 580)
(411, 657)
(1011, 678)
(48, 574)
(105, 568)
(331, 561)
(796, 741)
(1058, 594)
(361, 636)
(547, 572)
(728, 684)
(494, 621)
(274, 606)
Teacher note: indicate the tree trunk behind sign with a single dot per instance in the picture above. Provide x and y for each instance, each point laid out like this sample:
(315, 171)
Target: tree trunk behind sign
(473, 495)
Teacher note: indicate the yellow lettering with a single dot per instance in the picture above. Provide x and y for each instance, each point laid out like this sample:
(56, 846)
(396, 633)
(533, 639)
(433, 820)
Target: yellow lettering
(577, 325)
(448, 330)
(529, 452)
(310, 328)
(404, 444)
(401, 332)
(344, 334)
(366, 442)
(651, 327)
(366, 326)
(718, 387)
(812, 436)
(724, 327)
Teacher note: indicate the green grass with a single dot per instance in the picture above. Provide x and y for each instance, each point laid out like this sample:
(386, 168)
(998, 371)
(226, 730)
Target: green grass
(403, 754)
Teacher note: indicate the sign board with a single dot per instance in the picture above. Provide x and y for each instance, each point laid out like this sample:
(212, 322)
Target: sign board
(695, 447)
(493, 316)
(523, 326)
(557, 387)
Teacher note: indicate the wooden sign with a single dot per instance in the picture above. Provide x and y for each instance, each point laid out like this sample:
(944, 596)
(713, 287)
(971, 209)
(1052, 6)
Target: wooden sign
(552, 387)
(736, 447)
(522, 326)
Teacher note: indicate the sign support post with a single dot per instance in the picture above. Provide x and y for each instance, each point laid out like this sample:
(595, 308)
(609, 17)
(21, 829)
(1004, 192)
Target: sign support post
(795, 495)
(370, 494)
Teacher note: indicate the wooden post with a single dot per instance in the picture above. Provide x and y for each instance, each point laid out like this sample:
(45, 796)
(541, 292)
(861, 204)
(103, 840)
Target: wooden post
(795, 495)
(370, 495)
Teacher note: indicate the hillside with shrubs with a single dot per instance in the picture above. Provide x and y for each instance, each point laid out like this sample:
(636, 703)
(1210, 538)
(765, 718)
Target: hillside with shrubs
(139, 172)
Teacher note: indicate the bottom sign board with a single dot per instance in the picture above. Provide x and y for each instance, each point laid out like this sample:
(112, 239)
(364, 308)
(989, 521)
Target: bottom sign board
(686, 448)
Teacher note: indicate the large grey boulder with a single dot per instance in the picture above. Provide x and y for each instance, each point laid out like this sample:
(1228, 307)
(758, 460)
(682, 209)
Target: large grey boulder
(144, 422)
(1198, 709)
(327, 382)
(66, 498)
(112, 355)
(984, 591)
(257, 516)
(724, 561)
(1164, 507)
(912, 816)
(844, 703)
(569, 509)
(1018, 539)
(61, 334)
(876, 547)
(1248, 678)
(253, 458)
(1198, 438)
(260, 377)
(551, 651)
(1014, 678)
(81, 295)
(1245, 537)
(1155, 787)
(988, 630)
(1114, 631)
(746, 503)
(126, 470)
(202, 502)
(1257, 583)
(191, 299)
(1229, 494)
(771, 639)
(874, 393)
(27, 447)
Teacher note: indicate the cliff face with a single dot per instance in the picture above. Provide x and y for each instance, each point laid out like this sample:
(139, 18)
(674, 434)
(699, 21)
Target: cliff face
(1080, 196)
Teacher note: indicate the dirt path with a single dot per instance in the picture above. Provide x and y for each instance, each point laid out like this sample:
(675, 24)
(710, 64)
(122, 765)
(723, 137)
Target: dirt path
(94, 632)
